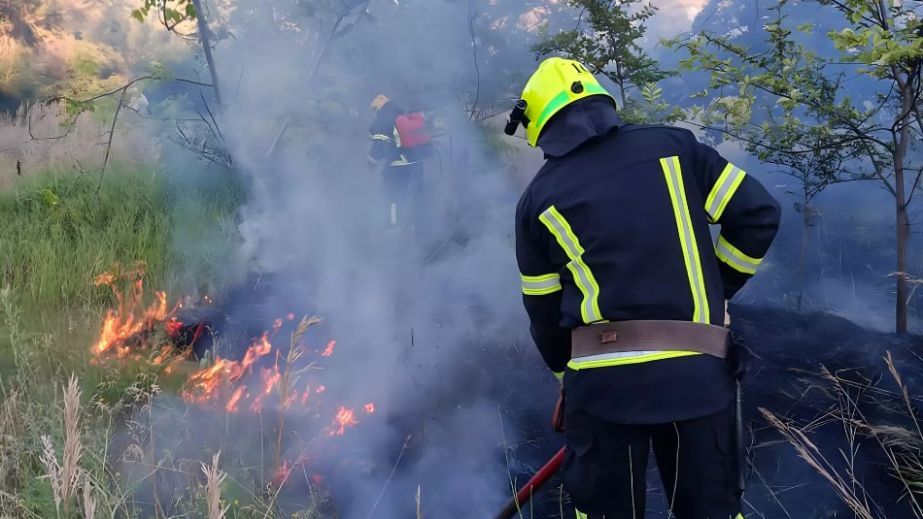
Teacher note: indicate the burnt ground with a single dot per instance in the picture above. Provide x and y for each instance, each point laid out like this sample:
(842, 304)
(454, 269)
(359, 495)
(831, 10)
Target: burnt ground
(451, 444)
(789, 352)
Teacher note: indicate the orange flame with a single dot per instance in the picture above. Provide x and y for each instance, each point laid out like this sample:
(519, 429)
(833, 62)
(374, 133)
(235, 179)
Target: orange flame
(344, 418)
(131, 316)
(369, 408)
(231, 407)
(328, 351)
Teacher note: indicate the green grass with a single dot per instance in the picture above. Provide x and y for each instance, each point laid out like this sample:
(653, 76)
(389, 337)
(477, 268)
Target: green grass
(59, 232)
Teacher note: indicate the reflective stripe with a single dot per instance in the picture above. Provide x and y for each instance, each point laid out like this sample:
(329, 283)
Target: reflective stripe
(558, 375)
(605, 360)
(551, 108)
(540, 285)
(723, 191)
(581, 515)
(736, 259)
(583, 277)
(562, 99)
(380, 137)
(672, 172)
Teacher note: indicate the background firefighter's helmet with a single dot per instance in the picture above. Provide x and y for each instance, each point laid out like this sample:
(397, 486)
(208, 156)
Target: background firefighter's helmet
(556, 83)
(379, 101)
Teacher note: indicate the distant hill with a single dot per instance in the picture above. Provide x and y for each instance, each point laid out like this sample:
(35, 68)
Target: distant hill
(71, 47)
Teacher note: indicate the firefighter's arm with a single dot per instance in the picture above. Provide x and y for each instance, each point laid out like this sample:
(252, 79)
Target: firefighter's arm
(747, 213)
(541, 294)
(381, 147)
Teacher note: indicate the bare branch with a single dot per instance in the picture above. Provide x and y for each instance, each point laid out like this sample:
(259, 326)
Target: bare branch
(115, 118)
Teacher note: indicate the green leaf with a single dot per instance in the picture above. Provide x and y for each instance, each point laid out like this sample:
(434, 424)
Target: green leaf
(806, 28)
(137, 15)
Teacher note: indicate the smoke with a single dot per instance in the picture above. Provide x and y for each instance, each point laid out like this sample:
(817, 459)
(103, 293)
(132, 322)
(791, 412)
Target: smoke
(413, 313)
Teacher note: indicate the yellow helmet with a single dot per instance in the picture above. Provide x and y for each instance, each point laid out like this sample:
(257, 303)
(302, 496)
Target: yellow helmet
(379, 101)
(556, 83)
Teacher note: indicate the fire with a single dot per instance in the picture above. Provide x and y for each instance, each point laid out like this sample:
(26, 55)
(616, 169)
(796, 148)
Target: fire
(344, 419)
(128, 320)
(263, 376)
(231, 406)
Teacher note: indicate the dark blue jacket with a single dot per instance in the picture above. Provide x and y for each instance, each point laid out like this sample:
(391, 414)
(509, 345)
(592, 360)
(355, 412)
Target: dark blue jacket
(615, 227)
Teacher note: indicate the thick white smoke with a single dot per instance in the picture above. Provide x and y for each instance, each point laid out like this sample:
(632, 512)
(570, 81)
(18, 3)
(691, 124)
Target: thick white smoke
(412, 315)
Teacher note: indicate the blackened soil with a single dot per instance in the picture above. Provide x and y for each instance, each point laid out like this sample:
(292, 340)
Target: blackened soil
(789, 354)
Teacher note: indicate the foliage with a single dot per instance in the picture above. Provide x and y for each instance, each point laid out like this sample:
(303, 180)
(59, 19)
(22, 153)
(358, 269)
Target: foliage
(170, 13)
(607, 43)
(787, 82)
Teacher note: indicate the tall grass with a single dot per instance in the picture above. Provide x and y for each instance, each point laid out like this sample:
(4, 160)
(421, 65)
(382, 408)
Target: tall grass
(897, 440)
(61, 230)
(58, 231)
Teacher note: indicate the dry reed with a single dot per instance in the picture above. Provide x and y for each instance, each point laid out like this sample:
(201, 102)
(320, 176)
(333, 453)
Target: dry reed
(214, 478)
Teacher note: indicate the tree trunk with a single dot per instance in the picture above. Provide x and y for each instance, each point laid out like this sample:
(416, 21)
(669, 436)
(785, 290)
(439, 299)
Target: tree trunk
(621, 83)
(805, 235)
(903, 236)
(205, 38)
(902, 223)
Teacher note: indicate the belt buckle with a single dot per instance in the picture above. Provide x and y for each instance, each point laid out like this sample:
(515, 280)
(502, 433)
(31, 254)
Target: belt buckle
(607, 337)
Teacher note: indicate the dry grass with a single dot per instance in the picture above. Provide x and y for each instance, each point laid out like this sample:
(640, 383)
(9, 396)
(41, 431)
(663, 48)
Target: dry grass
(214, 478)
(899, 443)
(41, 138)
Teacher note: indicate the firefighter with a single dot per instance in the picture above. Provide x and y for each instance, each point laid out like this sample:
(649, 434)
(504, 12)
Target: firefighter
(400, 162)
(626, 292)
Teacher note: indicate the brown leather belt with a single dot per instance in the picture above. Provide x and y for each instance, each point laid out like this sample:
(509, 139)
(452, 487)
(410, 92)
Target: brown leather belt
(643, 336)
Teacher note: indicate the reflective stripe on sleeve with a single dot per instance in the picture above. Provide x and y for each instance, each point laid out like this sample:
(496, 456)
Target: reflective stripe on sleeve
(736, 259)
(672, 172)
(380, 137)
(723, 191)
(583, 277)
(540, 285)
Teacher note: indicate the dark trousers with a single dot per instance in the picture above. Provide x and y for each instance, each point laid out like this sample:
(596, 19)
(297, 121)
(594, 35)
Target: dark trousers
(604, 471)
(403, 188)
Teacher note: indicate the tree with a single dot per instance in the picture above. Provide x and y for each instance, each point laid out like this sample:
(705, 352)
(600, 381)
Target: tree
(781, 143)
(875, 41)
(172, 13)
(605, 39)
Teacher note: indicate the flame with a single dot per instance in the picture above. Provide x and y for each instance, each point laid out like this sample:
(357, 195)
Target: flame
(245, 385)
(344, 419)
(231, 406)
(282, 473)
(131, 316)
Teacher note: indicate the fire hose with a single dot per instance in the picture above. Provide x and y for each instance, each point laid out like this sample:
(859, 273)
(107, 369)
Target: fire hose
(528, 490)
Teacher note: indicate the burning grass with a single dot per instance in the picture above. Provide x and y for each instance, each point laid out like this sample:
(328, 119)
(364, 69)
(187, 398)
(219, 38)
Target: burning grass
(123, 449)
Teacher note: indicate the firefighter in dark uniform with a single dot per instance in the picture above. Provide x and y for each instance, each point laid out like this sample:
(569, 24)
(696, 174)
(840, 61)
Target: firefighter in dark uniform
(401, 168)
(626, 292)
